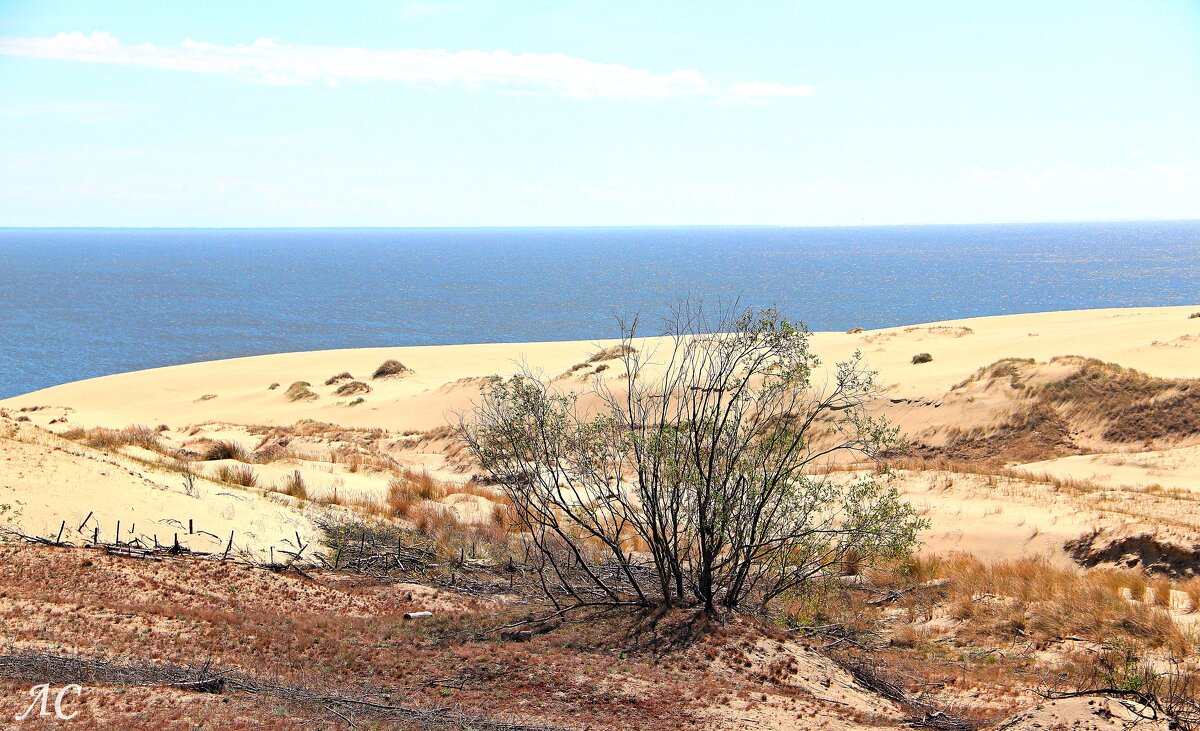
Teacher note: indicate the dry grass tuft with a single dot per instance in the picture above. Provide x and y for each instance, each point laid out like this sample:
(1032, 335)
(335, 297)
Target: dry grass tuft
(352, 388)
(301, 391)
(294, 485)
(391, 368)
(1030, 598)
(225, 449)
(419, 485)
(237, 475)
(343, 376)
(112, 439)
(612, 353)
(922, 358)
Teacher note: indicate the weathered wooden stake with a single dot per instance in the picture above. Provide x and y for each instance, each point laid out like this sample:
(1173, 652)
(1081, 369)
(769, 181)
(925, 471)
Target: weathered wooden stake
(229, 547)
(118, 532)
(189, 526)
(85, 520)
(61, 528)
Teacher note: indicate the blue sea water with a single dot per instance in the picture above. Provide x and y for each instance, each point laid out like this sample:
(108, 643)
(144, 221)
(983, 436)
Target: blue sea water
(77, 303)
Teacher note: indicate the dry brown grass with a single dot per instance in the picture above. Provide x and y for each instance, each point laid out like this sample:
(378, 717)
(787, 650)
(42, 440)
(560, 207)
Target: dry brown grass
(294, 485)
(391, 368)
(225, 449)
(137, 435)
(363, 459)
(330, 634)
(419, 485)
(1129, 405)
(351, 388)
(343, 376)
(301, 391)
(399, 499)
(241, 474)
(1031, 598)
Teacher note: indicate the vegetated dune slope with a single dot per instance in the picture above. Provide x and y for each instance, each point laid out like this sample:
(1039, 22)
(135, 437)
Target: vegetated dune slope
(1098, 395)
(1070, 436)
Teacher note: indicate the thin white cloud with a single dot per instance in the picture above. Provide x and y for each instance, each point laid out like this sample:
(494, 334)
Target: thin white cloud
(267, 62)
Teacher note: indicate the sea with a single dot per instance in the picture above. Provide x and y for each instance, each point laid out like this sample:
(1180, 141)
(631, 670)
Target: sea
(78, 303)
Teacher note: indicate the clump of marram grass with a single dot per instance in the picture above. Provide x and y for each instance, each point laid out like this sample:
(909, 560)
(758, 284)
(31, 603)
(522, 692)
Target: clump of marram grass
(273, 386)
(352, 388)
(343, 376)
(237, 475)
(399, 498)
(921, 358)
(391, 368)
(272, 452)
(301, 391)
(357, 401)
(294, 485)
(225, 449)
(1044, 601)
(112, 439)
(1194, 316)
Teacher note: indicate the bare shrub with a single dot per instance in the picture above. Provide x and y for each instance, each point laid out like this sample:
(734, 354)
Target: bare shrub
(706, 459)
(189, 484)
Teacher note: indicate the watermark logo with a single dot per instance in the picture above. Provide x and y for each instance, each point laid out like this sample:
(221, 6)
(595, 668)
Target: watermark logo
(41, 699)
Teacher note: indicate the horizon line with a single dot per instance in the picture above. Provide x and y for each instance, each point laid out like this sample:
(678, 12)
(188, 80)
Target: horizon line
(596, 226)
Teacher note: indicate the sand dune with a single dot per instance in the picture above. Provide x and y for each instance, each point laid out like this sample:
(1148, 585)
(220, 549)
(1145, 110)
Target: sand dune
(242, 399)
(1162, 341)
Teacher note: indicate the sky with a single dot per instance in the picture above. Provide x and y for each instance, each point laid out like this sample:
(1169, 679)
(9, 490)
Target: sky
(604, 113)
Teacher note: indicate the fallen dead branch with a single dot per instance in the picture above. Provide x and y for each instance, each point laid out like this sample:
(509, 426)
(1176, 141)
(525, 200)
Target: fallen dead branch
(925, 715)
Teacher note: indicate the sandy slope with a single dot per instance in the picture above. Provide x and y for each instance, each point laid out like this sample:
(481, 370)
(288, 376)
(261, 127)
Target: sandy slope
(46, 481)
(218, 399)
(1161, 341)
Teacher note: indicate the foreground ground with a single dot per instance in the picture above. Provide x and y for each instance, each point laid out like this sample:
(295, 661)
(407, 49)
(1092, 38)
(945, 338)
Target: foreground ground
(1056, 456)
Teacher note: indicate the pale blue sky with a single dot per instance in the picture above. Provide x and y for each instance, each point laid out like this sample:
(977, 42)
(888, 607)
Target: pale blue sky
(479, 113)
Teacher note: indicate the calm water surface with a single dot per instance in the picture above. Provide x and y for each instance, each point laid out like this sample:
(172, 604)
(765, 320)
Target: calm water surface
(77, 303)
